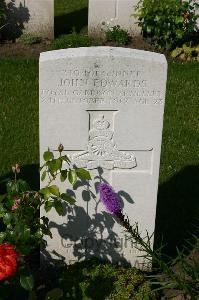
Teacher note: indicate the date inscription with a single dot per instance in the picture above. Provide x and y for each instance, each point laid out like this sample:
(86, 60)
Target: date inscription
(102, 87)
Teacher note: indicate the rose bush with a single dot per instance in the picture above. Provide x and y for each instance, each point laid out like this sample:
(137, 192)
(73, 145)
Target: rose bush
(23, 231)
(167, 23)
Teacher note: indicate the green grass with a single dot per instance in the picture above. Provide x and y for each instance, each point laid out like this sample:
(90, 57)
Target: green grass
(181, 127)
(73, 40)
(70, 16)
(178, 207)
(19, 122)
(62, 6)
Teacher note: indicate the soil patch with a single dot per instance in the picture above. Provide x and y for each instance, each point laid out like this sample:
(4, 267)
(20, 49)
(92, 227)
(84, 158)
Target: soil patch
(14, 50)
(18, 49)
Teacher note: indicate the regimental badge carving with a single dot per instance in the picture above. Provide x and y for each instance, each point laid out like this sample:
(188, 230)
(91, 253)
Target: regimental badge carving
(102, 150)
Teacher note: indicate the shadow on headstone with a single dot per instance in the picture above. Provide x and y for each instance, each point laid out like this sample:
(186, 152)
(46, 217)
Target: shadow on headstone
(16, 17)
(84, 235)
(177, 217)
(67, 23)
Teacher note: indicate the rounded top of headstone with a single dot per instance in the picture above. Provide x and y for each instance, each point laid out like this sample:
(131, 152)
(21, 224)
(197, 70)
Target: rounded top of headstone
(103, 51)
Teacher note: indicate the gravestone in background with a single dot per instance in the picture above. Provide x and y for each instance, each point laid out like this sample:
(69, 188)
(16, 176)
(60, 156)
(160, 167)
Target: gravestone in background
(33, 16)
(197, 12)
(104, 14)
(105, 105)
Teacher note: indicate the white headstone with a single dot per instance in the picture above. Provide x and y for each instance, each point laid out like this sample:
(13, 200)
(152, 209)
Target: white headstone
(33, 16)
(104, 14)
(105, 105)
(197, 12)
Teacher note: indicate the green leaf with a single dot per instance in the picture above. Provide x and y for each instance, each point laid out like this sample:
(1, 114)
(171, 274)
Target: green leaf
(54, 190)
(26, 234)
(23, 231)
(43, 176)
(54, 294)
(46, 192)
(48, 205)
(2, 211)
(83, 174)
(27, 282)
(24, 249)
(63, 175)
(72, 176)
(68, 198)
(179, 33)
(176, 52)
(48, 155)
(2, 237)
(12, 188)
(59, 207)
(2, 197)
(7, 218)
(23, 185)
(54, 165)
(179, 19)
(65, 158)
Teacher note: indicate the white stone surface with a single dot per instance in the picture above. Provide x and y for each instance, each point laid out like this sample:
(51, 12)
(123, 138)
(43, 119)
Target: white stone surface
(39, 15)
(82, 91)
(197, 12)
(108, 13)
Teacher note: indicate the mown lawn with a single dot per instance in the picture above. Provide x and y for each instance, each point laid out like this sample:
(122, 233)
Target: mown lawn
(178, 206)
(19, 127)
(70, 16)
(180, 146)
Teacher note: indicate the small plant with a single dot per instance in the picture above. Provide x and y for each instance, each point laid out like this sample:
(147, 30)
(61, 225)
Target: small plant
(22, 229)
(96, 279)
(186, 53)
(168, 22)
(185, 279)
(117, 35)
(73, 40)
(29, 39)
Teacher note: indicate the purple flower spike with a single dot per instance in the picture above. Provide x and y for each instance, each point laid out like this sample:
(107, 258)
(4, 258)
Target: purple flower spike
(109, 198)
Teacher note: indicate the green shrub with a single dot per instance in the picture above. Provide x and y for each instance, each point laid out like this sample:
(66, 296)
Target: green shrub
(29, 39)
(72, 40)
(186, 53)
(117, 35)
(97, 280)
(166, 22)
(21, 227)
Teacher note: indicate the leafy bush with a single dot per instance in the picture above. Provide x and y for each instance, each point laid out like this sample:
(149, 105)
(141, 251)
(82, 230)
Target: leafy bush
(72, 40)
(95, 279)
(117, 35)
(21, 227)
(29, 39)
(166, 22)
(186, 53)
